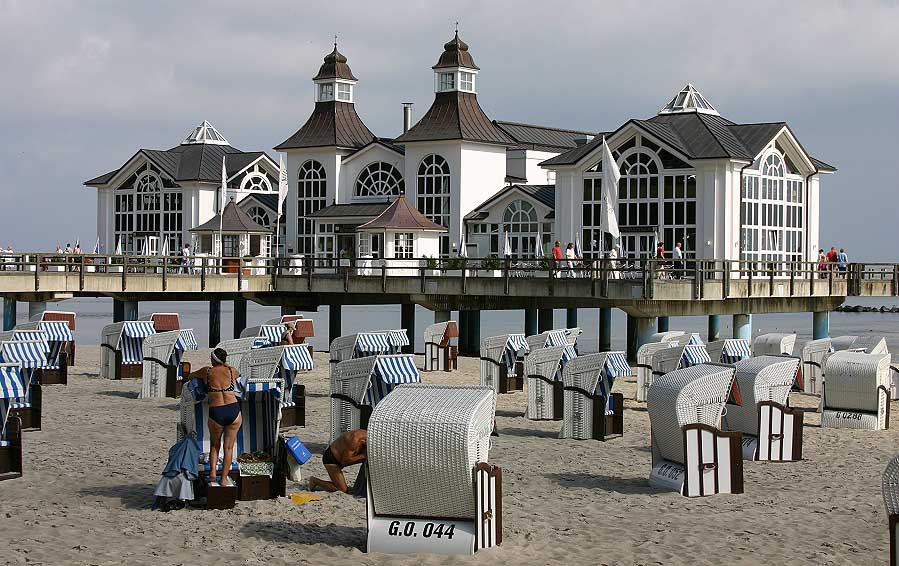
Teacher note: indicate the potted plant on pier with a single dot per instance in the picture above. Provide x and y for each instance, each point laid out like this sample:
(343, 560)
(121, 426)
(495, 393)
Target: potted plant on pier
(492, 266)
(432, 266)
(454, 266)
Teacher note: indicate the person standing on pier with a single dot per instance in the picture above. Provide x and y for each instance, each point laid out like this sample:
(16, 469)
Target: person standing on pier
(832, 258)
(677, 255)
(822, 264)
(185, 259)
(613, 256)
(570, 258)
(843, 260)
(557, 258)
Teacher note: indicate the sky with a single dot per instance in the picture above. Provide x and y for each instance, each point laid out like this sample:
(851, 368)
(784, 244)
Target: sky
(88, 83)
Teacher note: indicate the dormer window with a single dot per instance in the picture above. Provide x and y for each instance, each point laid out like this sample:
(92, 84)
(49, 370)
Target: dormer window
(447, 82)
(466, 81)
(326, 92)
(344, 92)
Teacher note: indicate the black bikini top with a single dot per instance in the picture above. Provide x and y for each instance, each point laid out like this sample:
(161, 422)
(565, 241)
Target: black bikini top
(228, 389)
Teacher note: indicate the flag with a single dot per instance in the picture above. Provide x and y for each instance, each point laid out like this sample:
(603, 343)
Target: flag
(608, 220)
(507, 246)
(539, 250)
(463, 251)
(224, 191)
(578, 252)
(97, 246)
(118, 247)
(282, 185)
(165, 247)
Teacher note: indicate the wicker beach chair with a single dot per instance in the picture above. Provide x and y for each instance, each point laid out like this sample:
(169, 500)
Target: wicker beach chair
(360, 384)
(281, 364)
(678, 357)
(774, 344)
(890, 490)
(857, 392)
(643, 367)
(840, 343)
(440, 353)
(549, 339)
(573, 334)
(163, 371)
(121, 348)
(237, 348)
(430, 488)
(543, 372)
(590, 409)
(500, 370)
(30, 355)
(894, 377)
(59, 338)
(690, 452)
(771, 430)
(12, 388)
(729, 351)
(68, 347)
(813, 353)
(270, 332)
(871, 344)
(303, 327)
(667, 336)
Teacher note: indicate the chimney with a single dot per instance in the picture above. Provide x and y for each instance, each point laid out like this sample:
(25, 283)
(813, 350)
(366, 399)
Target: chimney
(581, 140)
(407, 116)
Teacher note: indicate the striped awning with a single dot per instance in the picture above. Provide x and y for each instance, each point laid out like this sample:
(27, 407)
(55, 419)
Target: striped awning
(296, 358)
(617, 366)
(31, 354)
(187, 340)
(695, 340)
(373, 343)
(138, 328)
(272, 332)
(694, 355)
(30, 336)
(57, 330)
(262, 386)
(12, 386)
(398, 338)
(396, 370)
(518, 344)
(568, 354)
(259, 343)
(735, 350)
(556, 339)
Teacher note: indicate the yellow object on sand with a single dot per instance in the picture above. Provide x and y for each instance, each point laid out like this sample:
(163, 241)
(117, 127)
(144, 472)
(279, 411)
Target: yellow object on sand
(301, 498)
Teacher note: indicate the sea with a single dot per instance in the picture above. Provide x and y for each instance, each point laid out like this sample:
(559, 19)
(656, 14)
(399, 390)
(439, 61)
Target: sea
(94, 313)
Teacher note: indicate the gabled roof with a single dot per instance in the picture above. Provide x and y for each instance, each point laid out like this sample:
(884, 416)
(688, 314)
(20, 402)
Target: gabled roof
(332, 124)
(545, 138)
(455, 54)
(233, 219)
(268, 200)
(385, 143)
(335, 67)
(350, 210)
(401, 215)
(456, 116)
(544, 194)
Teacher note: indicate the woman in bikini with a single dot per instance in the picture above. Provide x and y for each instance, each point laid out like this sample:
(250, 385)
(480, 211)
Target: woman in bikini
(224, 412)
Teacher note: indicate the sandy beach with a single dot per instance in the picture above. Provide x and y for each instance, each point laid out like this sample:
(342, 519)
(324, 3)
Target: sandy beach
(90, 474)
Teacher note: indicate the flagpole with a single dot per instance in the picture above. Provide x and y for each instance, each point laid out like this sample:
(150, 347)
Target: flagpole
(222, 210)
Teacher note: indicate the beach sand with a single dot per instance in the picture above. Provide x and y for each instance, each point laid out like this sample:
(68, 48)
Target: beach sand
(90, 474)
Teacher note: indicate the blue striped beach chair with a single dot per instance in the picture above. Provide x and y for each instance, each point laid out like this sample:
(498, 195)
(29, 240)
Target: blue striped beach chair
(12, 388)
(68, 347)
(678, 357)
(543, 372)
(30, 356)
(282, 364)
(121, 348)
(729, 351)
(500, 369)
(59, 336)
(163, 371)
(360, 384)
(590, 409)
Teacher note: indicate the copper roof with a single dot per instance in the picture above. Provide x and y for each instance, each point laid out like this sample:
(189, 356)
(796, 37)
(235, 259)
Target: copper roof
(332, 124)
(455, 54)
(456, 116)
(401, 215)
(234, 219)
(335, 67)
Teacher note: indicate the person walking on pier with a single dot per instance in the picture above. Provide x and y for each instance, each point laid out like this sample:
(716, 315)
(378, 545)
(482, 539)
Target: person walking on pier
(843, 260)
(677, 255)
(570, 258)
(185, 259)
(613, 256)
(557, 258)
(822, 264)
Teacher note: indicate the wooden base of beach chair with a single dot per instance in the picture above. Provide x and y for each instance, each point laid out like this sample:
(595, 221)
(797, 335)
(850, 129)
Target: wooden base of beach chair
(55, 376)
(439, 535)
(608, 425)
(714, 463)
(11, 454)
(129, 371)
(780, 435)
(591, 421)
(254, 488)
(69, 349)
(295, 415)
(173, 385)
(438, 358)
(518, 380)
(30, 416)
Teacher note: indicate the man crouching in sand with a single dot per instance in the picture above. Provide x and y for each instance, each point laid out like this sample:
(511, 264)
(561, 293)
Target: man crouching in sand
(347, 450)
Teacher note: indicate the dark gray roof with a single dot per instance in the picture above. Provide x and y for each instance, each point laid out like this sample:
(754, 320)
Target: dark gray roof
(233, 219)
(455, 116)
(455, 54)
(335, 67)
(268, 200)
(823, 166)
(534, 137)
(332, 124)
(545, 194)
(401, 215)
(574, 155)
(360, 209)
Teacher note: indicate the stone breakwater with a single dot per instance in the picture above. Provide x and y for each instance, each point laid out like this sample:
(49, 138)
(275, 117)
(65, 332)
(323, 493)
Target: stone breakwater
(860, 308)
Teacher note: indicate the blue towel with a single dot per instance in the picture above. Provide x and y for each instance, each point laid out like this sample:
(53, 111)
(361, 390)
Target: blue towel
(183, 457)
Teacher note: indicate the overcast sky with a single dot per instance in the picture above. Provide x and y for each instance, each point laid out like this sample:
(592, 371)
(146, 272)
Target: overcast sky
(88, 83)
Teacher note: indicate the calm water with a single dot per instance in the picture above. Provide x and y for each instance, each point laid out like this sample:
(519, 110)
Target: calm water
(93, 314)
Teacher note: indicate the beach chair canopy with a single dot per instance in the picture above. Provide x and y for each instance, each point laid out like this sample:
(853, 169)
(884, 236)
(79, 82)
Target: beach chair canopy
(12, 392)
(29, 354)
(871, 344)
(595, 374)
(729, 351)
(441, 333)
(270, 364)
(548, 362)
(773, 344)
(57, 330)
(760, 378)
(816, 347)
(423, 444)
(694, 395)
(840, 343)
(670, 359)
(64, 316)
(853, 380)
(398, 338)
(131, 339)
(272, 332)
(666, 336)
(371, 343)
(369, 380)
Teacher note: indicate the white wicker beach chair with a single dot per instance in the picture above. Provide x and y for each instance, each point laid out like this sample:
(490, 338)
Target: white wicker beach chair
(771, 430)
(590, 409)
(12, 390)
(548, 339)
(871, 344)
(773, 344)
(813, 354)
(360, 384)
(840, 343)
(573, 334)
(729, 351)
(894, 377)
(500, 369)
(121, 348)
(543, 372)
(441, 354)
(678, 357)
(690, 452)
(666, 336)
(60, 341)
(68, 346)
(430, 488)
(163, 371)
(240, 347)
(281, 364)
(857, 392)
(29, 351)
(890, 490)
(643, 368)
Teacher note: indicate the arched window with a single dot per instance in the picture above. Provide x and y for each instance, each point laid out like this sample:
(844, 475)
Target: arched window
(311, 196)
(520, 221)
(379, 179)
(259, 216)
(772, 211)
(434, 194)
(257, 181)
(147, 207)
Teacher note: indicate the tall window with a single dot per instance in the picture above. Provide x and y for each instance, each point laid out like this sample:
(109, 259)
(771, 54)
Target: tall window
(146, 205)
(379, 179)
(434, 194)
(403, 245)
(311, 195)
(447, 82)
(772, 211)
(520, 221)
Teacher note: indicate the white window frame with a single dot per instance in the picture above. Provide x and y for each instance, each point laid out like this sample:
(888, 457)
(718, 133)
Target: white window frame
(344, 92)
(312, 192)
(444, 85)
(371, 183)
(403, 245)
(325, 92)
(466, 81)
(434, 190)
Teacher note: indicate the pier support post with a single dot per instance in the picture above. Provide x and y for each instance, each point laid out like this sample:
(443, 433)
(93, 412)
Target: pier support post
(570, 318)
(743, 326)
(240, 316)
(441, 316)
(407, 321)
(646, 326)
(714, 327)
(662, 324)
(334, 323)
(123, 310)
(631, 349)
(544, 320)
(820, 325)
(605, 329)
(473, 332)
(36, 308)
(215, 322)
(9, 313)
(530, 322)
